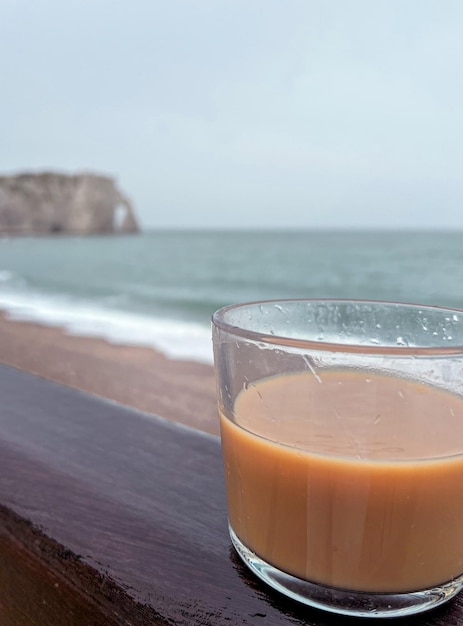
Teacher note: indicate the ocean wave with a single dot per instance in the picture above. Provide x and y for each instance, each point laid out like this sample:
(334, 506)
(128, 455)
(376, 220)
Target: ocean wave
(11, 279)
(175, 338)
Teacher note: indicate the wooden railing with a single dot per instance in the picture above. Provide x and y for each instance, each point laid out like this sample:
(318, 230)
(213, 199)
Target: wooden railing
(109, 516)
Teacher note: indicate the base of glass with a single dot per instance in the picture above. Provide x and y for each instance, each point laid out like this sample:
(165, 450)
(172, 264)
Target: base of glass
(342, 601)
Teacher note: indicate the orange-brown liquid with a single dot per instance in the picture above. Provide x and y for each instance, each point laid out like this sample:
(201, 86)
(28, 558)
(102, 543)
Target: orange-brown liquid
(361, 491)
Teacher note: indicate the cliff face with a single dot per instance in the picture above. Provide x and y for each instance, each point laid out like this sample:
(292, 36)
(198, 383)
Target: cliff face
(81, 204)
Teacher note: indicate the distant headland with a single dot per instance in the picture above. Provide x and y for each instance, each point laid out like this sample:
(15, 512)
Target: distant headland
(54, 203)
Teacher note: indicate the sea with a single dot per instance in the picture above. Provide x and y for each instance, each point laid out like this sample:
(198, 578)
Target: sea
(160, 288)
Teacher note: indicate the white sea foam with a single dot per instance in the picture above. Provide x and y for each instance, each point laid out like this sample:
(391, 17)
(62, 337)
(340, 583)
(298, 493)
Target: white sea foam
(175, 338)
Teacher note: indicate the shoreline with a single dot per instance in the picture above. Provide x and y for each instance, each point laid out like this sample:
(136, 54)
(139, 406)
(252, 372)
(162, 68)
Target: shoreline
(179, 390)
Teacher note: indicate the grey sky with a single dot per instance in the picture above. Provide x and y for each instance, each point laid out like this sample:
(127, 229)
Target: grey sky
(244, 113)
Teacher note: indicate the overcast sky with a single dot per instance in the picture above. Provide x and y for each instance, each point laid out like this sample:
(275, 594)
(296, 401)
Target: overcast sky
(240, 113)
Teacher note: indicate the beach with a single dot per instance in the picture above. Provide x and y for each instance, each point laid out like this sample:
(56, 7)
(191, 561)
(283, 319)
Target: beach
(143, 378)
(128, 318)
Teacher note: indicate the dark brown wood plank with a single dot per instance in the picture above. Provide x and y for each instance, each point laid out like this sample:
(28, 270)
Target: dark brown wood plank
(30, 592)
(126, 511)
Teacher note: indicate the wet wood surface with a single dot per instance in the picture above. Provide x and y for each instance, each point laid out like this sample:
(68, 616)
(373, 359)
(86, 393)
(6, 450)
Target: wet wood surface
(109, 516)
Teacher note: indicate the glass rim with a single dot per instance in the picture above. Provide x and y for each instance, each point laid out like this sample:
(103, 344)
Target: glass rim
(218, 320)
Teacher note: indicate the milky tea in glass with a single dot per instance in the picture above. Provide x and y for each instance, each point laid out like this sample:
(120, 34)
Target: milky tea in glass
(342, 440)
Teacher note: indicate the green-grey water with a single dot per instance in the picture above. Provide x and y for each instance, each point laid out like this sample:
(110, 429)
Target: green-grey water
(160, 288)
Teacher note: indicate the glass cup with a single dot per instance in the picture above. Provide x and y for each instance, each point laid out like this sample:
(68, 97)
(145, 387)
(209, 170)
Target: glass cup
(342, 440)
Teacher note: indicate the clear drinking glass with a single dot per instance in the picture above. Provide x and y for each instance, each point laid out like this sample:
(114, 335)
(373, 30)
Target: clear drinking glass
(342, 439)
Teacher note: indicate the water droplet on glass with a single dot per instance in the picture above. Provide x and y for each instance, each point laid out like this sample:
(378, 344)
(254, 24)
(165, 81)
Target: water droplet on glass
(278, 307)
(377, 419)
(401, 394)
(455, 318)
(401, 341)
(368, 380)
